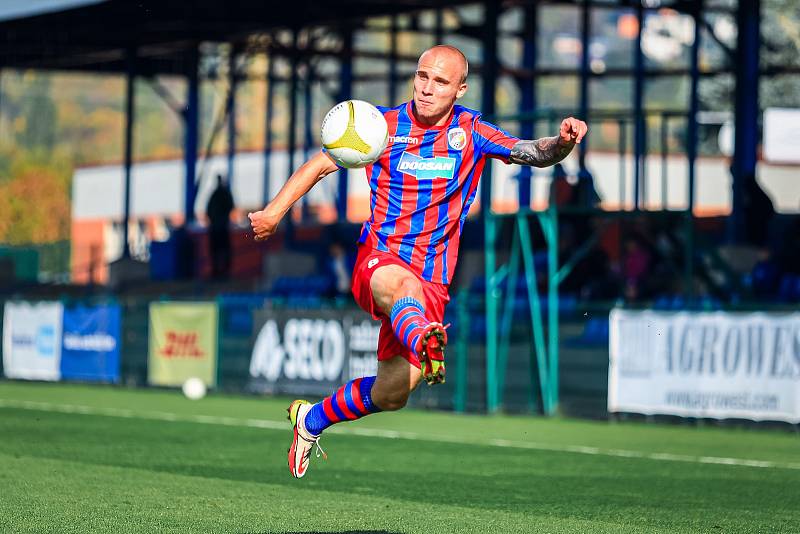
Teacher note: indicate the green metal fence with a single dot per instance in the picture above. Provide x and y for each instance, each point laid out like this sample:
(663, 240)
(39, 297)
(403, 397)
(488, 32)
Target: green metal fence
(49, 262)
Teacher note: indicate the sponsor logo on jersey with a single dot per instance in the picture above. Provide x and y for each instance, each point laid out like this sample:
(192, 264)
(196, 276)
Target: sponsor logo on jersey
(427, 168)
(457, 138)
(403, 139)
(372, 263)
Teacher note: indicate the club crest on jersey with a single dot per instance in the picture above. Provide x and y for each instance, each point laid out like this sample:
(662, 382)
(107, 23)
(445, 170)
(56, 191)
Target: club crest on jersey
(426, 168)
(457, 138)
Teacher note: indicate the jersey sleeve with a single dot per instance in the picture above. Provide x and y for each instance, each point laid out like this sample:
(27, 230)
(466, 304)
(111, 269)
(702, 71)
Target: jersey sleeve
(492, 141)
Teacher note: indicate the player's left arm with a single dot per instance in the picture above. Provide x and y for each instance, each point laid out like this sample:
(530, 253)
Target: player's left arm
(549, 150)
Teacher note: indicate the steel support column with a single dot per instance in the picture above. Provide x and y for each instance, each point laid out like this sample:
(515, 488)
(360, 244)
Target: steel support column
(691, 149)
(345, 92)
(308, 108)
(527, 98)
(438, 28)
(130, 96)
(267, 126)
(292, 127)
(393, 61)
(586, 32)
(748, 18)
(308, 136)
(1, 102)
(638, 110)
(191, 119)
(231, 112)
(488, 85)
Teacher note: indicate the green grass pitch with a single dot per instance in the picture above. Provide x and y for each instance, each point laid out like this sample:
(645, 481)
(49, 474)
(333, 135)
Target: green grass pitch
(103, 459)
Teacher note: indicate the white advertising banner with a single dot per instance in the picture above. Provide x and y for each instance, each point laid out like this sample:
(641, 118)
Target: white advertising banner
(782, 135)
(705, 364)
(32, 340)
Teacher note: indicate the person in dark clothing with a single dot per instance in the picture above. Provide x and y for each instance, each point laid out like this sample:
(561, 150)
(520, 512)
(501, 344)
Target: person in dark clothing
(218, 211)
(758, 211)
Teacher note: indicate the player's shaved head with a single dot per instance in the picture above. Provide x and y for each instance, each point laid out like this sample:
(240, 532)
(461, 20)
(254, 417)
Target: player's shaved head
(451, 53)
(439, 81)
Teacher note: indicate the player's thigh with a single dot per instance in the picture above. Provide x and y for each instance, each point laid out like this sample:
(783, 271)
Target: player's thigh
(392, 282)
(396, 379)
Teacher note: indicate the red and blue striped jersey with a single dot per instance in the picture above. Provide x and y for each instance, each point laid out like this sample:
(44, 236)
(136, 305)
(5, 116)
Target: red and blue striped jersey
(423, 185)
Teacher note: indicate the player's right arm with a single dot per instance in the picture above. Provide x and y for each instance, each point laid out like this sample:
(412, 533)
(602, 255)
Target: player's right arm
(265, 222)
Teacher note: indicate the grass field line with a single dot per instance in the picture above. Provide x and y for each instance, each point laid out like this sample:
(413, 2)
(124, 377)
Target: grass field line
(390, 434)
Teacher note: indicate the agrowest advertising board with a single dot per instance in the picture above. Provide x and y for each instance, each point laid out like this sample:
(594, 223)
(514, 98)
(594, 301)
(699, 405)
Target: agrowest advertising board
(713, 364)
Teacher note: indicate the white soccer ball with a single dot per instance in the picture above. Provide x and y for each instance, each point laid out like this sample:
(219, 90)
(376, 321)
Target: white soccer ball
(354, 133)
(194, 389)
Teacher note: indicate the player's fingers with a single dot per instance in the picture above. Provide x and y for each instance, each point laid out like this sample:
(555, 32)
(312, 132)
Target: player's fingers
(574, 127)
(564, 133)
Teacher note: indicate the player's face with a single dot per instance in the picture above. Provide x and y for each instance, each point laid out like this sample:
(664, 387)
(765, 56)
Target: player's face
(437, 85)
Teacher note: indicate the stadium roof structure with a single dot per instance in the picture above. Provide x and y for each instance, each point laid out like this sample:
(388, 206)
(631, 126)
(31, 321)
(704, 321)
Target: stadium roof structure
(147, 38)
(93, 35)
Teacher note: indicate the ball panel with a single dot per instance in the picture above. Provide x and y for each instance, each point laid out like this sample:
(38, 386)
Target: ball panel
(349, 158)
(354, 133)
(334, 124)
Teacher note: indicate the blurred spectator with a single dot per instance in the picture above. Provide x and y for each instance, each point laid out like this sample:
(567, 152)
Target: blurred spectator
(184, 268)
(636, 263)
(592, 277)
(566, 192)
(339, 269)
(219, 209)
(789, 255)
(563, 188)
(758, 212)
(587, 196)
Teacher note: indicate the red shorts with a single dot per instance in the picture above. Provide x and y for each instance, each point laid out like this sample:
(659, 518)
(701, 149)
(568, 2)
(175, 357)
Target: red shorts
(436, 298)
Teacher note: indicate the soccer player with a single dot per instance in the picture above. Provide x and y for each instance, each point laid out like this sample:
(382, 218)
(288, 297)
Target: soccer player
(421, 189)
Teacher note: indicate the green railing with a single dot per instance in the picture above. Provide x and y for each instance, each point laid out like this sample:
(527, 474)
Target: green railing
(48, 262)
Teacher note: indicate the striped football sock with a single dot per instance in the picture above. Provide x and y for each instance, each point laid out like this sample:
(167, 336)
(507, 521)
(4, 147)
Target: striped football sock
(408, 322)
(351, 401)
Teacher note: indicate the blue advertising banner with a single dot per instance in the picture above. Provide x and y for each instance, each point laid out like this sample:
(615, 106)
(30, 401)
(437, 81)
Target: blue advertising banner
(91, 349)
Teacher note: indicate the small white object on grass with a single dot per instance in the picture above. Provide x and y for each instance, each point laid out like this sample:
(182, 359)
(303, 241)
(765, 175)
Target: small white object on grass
(194, 389)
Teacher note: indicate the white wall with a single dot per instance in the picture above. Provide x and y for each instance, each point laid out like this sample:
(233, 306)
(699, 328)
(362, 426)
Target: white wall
(158, 187)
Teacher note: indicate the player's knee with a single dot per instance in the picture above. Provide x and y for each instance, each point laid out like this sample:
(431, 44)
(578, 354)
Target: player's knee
(409, 286)
(394, 401)
(390, 399)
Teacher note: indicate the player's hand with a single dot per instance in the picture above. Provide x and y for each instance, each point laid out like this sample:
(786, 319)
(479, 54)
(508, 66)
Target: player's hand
(572, 130)
(264, 225)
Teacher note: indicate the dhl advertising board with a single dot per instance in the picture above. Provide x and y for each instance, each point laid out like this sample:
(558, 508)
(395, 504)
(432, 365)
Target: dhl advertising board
(183, 343)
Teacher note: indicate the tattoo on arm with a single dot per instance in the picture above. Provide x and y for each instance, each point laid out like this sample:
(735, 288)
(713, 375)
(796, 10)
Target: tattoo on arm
(540, 152)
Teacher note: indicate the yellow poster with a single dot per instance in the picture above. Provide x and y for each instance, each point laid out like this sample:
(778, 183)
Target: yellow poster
(183, 343)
